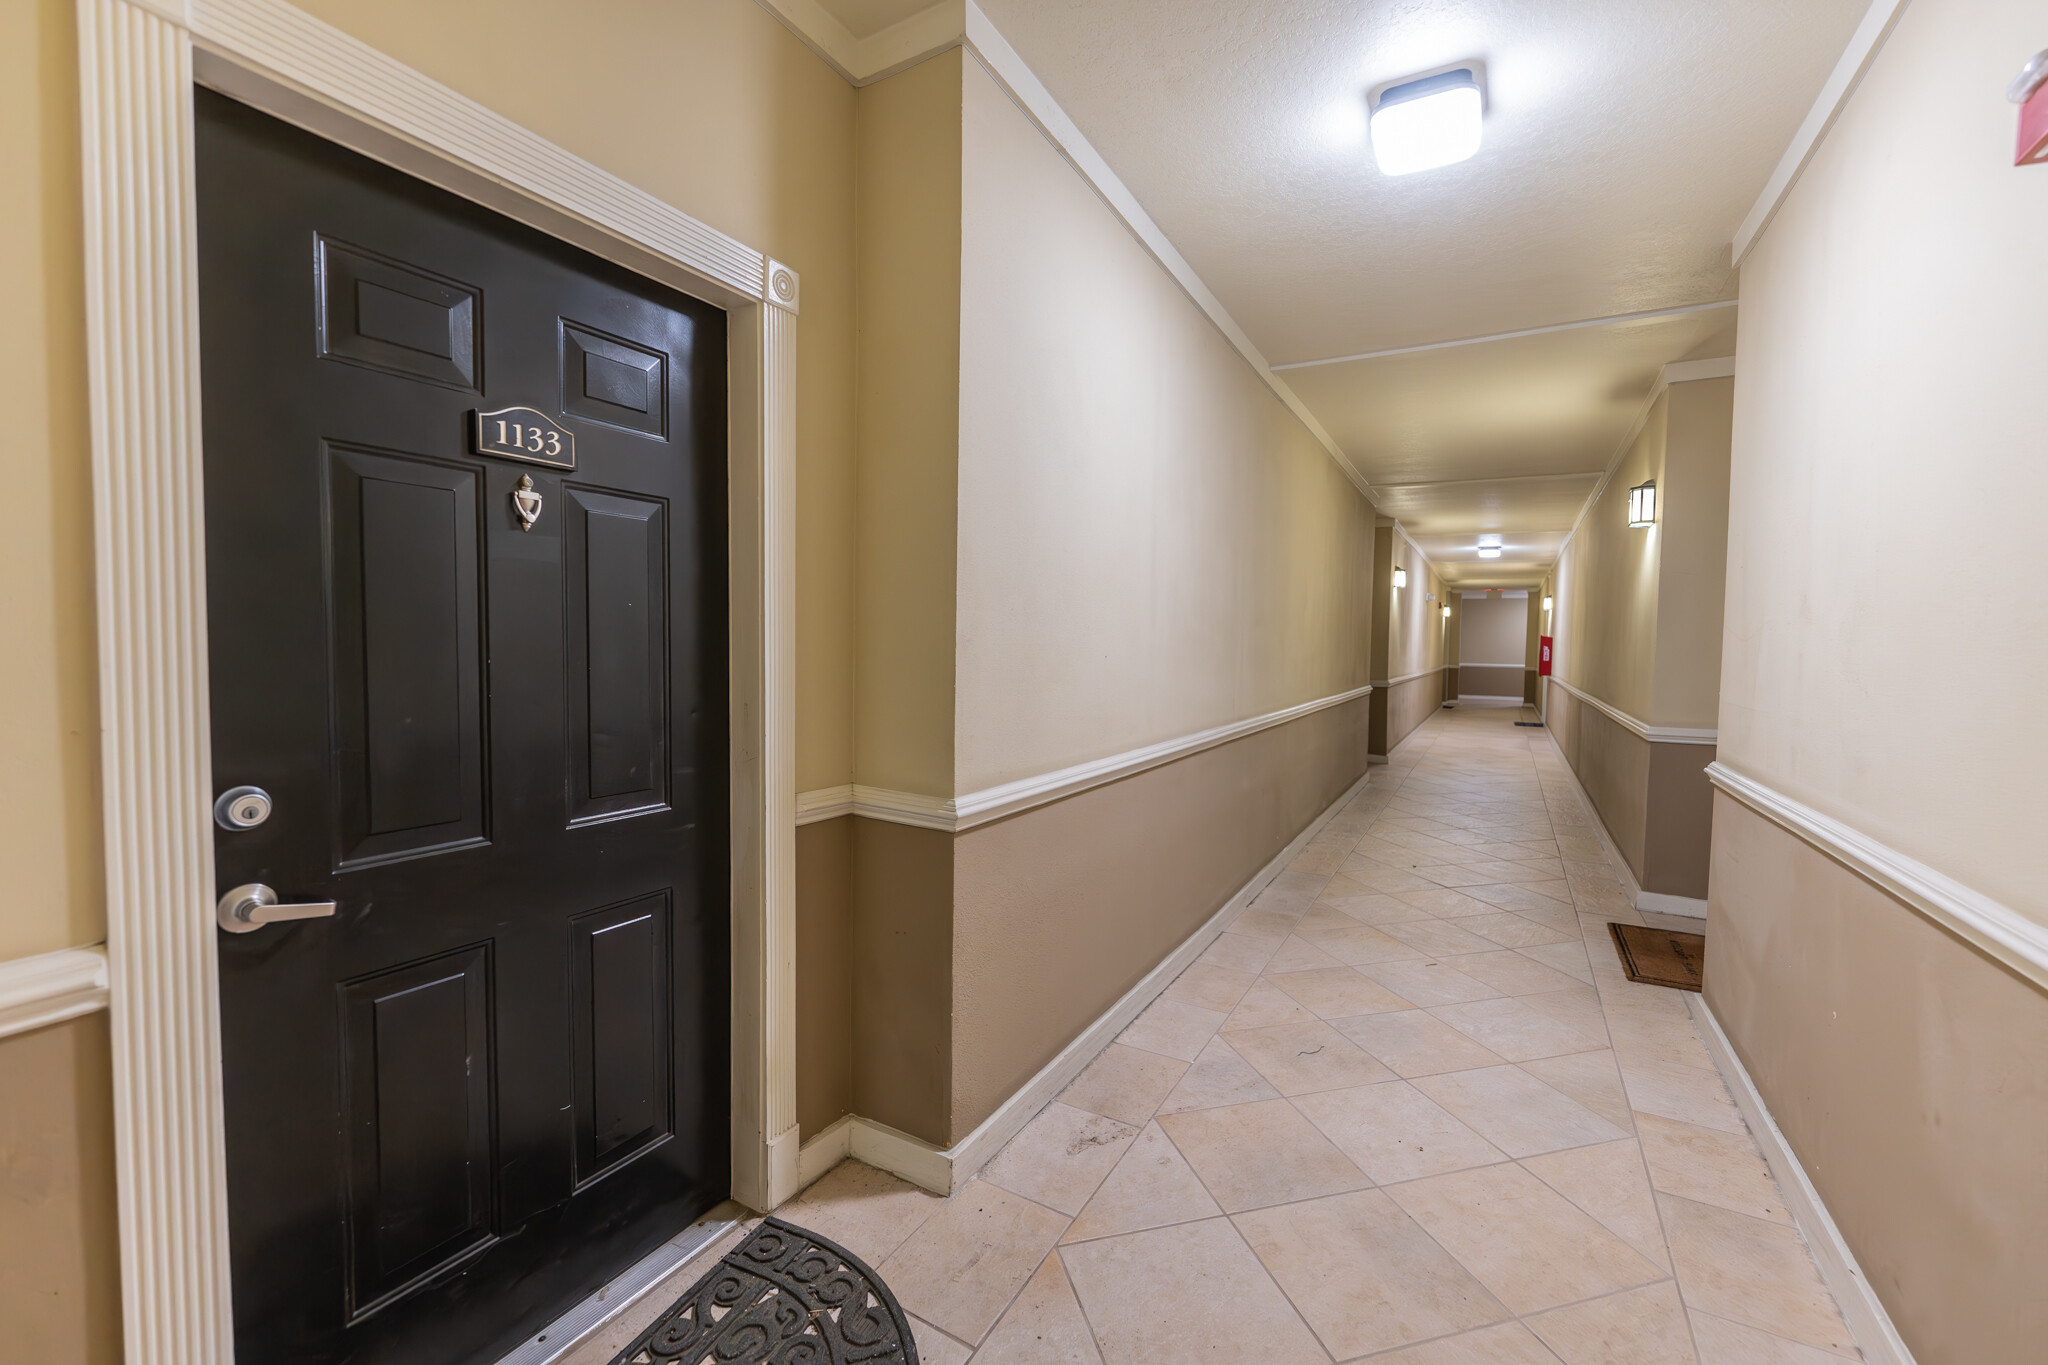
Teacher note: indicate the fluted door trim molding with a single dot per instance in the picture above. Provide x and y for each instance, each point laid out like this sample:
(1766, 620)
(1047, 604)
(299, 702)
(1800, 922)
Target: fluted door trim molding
(139, 60)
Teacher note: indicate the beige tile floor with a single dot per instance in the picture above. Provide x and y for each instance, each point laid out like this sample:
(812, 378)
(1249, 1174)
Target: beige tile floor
(1406, 1109)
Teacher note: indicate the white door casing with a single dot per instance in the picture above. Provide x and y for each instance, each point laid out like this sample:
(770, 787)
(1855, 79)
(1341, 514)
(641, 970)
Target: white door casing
(138, 62)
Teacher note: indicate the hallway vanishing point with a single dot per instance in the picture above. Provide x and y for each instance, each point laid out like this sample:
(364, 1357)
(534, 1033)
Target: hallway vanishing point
(1405, 1108)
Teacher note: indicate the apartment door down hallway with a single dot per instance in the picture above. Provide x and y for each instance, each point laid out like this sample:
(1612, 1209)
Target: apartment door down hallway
(1127, 683)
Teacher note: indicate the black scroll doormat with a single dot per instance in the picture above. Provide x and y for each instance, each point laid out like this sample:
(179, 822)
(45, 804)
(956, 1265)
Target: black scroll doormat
(783, 1297)
(1660, 957)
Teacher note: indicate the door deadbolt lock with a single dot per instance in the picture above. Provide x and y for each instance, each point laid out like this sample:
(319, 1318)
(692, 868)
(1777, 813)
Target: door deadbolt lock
(248, 908)
(242, 808)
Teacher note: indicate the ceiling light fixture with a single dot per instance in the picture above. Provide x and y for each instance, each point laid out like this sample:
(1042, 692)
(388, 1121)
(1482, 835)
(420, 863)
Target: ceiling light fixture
(1642, 504)
(1421, 124)
(1489, 547)
(1400, 578)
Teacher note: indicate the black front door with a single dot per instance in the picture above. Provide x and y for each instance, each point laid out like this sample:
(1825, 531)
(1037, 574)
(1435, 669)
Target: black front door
(465, 493)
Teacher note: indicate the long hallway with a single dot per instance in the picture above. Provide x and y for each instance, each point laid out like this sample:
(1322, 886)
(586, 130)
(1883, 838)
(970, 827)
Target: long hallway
(1406, 1108)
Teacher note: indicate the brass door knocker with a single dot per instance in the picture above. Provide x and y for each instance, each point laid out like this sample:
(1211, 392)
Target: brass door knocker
(526, 502)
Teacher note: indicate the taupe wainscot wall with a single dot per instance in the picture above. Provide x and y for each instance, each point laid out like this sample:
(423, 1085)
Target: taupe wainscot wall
(1634, 696)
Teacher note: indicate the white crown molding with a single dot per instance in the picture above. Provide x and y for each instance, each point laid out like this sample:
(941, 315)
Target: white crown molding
(1996, 929)
(863, 61)
(1581, 325)
(1864, 44)
(942, 1170)
(1678, 372)
(961, 23)
(1656, 734)
(138, 62)
(50, 988)
(1011, 72)
(1009, 798)
(1861, 1308)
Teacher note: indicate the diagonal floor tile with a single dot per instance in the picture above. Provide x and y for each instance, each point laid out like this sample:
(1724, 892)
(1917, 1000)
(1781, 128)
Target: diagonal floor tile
(1253, 1155)
(1515, 1111)
(1219, 1077)
(1300, 1059)
(1428, 981)
(1415, 1043)
(962, 1268)
(1526, 1242)
(1152, 1186)
(1060, 1157)
(1508, 1344)
(1395, 1132)
(1043, 1327)
(1607, 1180)
(1752, 1272)
(869, 1212)
(1185, 1293)
(1124, 1083)
(1515, 1029)
(1365, 1275)
(1644, 1326)
(1590, 1078)
(1338, 992)
(1173, 1029)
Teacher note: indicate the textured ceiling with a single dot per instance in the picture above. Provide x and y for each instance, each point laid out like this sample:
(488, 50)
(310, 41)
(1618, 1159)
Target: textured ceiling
(1625, 139)
(1624, 142)
(1545, 404)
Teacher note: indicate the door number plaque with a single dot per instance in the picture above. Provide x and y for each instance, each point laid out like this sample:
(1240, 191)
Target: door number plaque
(522, 434)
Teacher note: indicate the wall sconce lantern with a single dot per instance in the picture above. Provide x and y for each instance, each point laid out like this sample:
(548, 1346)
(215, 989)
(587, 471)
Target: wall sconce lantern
(1642, 504)
(1546, 605)
(1400, 578)
(1447, 611)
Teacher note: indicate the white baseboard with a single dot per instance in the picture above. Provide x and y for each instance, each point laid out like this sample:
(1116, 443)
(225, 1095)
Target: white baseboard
(1692, 906)
(1488, 696)
(1861, 1308)
(943, 1170)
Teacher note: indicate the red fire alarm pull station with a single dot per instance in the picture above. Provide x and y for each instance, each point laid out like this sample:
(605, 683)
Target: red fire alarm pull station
(2029, 90)
(1543, 656)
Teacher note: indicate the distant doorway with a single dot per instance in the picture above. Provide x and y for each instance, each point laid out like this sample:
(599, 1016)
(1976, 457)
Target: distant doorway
(1493, 643)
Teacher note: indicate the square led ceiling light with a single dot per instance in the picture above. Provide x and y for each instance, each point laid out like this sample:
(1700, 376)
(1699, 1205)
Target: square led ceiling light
(1422, 124)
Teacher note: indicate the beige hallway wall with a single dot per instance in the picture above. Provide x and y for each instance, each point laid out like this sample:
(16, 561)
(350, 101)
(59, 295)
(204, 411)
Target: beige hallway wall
(1150, 543)
(1061, 910)
(1887, 438)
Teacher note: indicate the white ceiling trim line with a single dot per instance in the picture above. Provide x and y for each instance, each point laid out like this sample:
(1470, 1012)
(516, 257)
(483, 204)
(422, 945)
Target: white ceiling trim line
(1997, 929)
(863, 61)
(1864, 44)
(51, 987)
(1402, 532)
(950, 23)
(1678, 372)
(1655, 734)
(1466, 483)
(955, 814)
(1011, 72)
(1582, 325)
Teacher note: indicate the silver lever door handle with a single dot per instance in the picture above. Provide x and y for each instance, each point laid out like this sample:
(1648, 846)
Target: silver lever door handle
(248, 908)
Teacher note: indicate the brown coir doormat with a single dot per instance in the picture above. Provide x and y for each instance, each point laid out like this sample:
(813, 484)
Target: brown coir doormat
(1660, 957)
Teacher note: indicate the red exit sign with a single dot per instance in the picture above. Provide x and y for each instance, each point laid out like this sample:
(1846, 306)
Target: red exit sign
(2030, 92)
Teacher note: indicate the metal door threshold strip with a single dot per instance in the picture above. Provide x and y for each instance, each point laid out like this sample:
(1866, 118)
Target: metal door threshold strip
(562, 1335)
